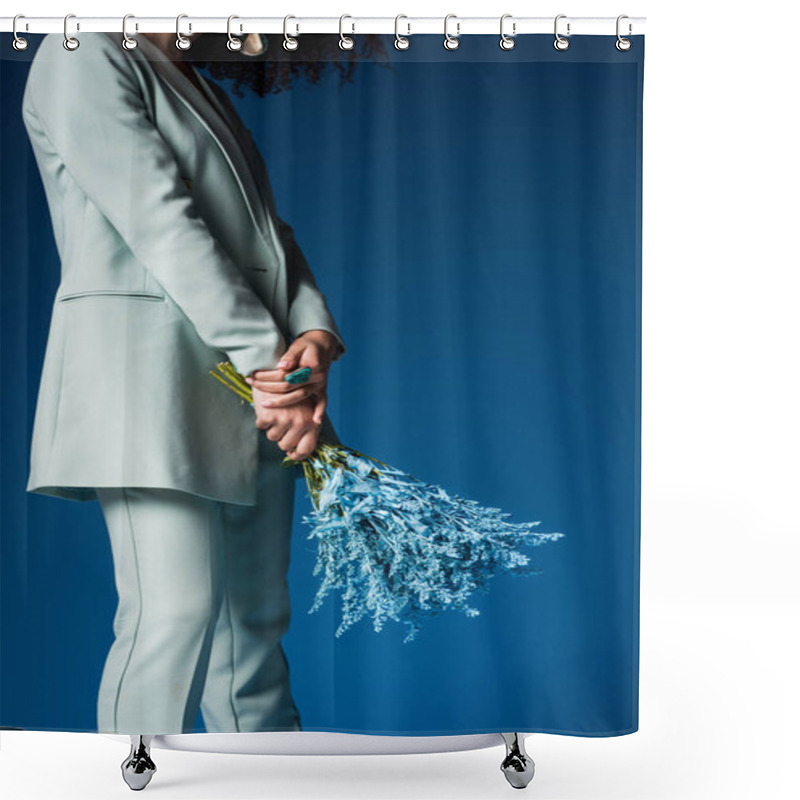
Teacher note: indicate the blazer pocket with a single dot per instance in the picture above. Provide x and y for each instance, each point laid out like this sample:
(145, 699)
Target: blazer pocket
(131, 294)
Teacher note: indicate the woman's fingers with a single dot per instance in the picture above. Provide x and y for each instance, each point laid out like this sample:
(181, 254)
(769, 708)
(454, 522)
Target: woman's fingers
(320, 406)
(277, 430)
(292, 438)
(287, 399)
(306, 445)
(309, 359)
(275, 381)
(287, 393)
(280, 388)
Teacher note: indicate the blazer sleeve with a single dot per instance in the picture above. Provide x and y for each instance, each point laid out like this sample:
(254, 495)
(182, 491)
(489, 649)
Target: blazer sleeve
(90, 106)
(308, 309)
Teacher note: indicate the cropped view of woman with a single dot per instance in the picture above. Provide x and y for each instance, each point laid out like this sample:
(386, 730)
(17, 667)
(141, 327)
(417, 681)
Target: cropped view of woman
(174, 259)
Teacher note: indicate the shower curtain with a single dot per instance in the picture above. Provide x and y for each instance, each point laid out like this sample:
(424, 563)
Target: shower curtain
(429, 261)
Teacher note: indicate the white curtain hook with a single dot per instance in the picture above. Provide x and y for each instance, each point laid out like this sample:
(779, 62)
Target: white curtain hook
(507, 42)
(401, 42)
(128, 42)
(622, 44)
(20, 42)
(234, 44)
(182, 42)
(560, 42)
(70, 42)
(451, 42)
(289, 42)
(346, 42)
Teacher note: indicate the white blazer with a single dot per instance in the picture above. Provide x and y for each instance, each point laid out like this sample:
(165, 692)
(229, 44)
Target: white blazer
(173, 259)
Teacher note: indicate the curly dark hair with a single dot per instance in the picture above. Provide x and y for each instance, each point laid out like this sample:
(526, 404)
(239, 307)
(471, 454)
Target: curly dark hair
(276, 69)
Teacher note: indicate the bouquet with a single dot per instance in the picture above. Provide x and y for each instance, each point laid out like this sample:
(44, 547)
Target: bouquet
(397, 547)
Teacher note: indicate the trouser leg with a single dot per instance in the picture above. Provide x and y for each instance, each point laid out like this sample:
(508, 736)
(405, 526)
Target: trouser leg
(248, 687)
(166, 549)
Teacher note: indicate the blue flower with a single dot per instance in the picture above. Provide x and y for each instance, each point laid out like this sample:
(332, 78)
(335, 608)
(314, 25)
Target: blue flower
(399, 548)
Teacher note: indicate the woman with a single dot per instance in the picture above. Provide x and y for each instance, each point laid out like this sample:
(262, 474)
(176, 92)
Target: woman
(173, 259)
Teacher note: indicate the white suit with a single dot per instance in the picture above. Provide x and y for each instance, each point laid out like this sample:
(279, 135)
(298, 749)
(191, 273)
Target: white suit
(173, 259)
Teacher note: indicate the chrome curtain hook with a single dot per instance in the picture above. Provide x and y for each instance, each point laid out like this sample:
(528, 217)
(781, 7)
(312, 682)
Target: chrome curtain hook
(451, 42)
(128, 42)
(182, 43)
(233, 43)
(346, 42)
(289, 42)
(401, 42)
(560, 42)
(507, 42)
(20, 42)
(70, 42)
(622, 44)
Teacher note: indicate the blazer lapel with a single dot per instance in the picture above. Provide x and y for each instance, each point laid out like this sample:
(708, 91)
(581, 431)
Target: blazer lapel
(210, 112)
(242, 135)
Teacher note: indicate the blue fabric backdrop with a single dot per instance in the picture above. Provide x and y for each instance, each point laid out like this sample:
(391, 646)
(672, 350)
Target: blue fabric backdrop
(474, 219)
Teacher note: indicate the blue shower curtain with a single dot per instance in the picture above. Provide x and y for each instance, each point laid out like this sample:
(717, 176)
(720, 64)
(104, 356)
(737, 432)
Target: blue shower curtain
(473, 220)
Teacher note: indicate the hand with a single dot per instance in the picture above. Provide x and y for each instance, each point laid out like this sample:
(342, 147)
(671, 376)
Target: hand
(314, 349)
(292, 427)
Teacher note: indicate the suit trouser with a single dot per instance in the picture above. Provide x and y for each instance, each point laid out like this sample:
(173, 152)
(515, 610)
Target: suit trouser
(203, 604)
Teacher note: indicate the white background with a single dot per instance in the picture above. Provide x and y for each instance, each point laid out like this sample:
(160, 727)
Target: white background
(720, 546)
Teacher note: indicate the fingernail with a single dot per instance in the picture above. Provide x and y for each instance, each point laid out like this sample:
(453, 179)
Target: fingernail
(249, 380)
(267, 403)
